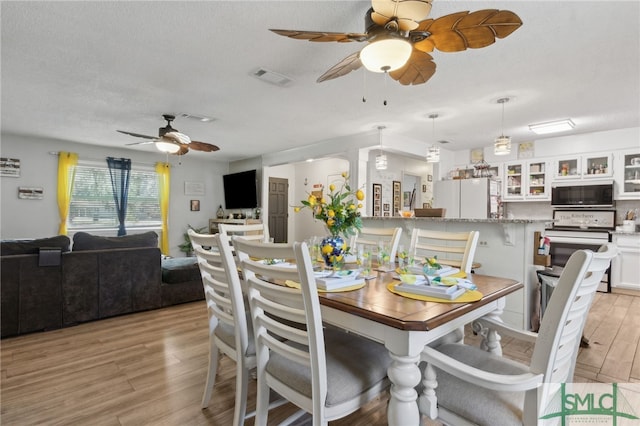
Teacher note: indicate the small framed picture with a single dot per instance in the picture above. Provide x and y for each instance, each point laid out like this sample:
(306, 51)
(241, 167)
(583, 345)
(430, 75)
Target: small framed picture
(386, 207)
(424, 188)
(195, 205)
(430, 178)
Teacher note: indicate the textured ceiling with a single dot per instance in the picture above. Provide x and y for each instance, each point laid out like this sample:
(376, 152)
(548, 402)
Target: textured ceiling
(80, 70)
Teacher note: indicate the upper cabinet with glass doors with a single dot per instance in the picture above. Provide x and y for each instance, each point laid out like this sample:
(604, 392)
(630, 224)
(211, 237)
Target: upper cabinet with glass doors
(588, 166)
(526, 181)
(628, 175)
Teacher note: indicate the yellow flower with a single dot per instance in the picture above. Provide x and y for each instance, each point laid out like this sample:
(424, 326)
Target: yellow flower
(359, 205)
(331, 213)
(360, 195)
(312, 200)
(332, 187)
(352, 206)
(296, 209)
(326, 249)
(345, 174)
(330, 223)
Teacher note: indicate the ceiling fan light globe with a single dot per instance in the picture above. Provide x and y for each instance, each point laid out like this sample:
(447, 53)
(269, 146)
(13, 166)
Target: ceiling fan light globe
(168, 147)
(386, 55)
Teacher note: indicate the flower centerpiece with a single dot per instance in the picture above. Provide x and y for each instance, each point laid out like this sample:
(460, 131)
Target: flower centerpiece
(340, 214)
(430, 265)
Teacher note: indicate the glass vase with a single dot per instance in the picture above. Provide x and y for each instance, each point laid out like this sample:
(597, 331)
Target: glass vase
(333, 250)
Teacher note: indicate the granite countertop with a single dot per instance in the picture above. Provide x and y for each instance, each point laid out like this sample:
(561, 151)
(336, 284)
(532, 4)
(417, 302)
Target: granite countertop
(624, 233)
(444, 219)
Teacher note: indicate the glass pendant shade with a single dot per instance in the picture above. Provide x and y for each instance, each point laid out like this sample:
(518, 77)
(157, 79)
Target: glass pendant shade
(502, 145)
(381, 162)
(386, 55)
(433, 154)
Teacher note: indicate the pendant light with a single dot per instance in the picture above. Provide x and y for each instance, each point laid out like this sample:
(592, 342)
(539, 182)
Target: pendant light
(433, 152)
(381, 159)
(502, 144)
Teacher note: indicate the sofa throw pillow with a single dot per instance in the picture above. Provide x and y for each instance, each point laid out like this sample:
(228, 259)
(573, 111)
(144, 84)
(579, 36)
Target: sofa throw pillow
(86, 241)
(10, 248)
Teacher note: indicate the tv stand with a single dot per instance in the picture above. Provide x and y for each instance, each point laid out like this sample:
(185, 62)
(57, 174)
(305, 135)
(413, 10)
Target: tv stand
(213, 223)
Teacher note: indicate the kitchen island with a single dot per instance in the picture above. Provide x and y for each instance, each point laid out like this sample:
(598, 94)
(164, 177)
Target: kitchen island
(505, 248)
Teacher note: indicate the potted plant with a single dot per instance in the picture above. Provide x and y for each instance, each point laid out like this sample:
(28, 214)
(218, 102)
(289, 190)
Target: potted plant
(186, 246)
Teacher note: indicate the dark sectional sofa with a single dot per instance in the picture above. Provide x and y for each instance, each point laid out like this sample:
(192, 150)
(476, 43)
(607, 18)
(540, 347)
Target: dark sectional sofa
(45, 285)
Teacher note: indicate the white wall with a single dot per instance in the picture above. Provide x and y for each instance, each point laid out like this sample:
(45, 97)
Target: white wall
(315, 173)
(39, 218)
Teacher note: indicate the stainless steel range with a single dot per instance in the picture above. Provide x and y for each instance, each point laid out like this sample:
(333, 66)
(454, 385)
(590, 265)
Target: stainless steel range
(576, 229)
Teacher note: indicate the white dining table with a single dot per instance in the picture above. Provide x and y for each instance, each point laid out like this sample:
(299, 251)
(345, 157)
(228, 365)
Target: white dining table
(406, 325)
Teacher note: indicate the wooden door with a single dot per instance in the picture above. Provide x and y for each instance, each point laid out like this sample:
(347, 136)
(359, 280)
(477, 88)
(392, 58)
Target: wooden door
(278, 211)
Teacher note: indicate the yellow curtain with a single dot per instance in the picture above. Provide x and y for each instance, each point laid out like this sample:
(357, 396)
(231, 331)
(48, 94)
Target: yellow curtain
(67, 162)
(164, 174)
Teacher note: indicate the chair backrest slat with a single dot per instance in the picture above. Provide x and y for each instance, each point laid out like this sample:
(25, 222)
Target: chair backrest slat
(451, 248)
(254, 231)
(368, 236)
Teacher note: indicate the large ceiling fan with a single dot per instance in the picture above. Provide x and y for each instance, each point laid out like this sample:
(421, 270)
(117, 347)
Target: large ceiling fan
(171, 141)
(399, 38)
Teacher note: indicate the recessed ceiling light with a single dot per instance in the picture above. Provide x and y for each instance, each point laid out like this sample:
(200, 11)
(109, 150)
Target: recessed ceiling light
(552, 126)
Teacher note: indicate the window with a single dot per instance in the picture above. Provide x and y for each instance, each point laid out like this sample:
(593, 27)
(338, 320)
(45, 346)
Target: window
(92, 204)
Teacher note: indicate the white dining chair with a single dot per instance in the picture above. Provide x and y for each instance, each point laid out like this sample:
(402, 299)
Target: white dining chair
(468, 385)
(325, 371)
(370, 237)
(230, 328)
(254, 231)
(455, 249)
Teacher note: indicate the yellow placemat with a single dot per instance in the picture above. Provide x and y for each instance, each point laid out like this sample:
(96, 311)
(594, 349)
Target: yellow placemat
(294, 284)
(468, 296)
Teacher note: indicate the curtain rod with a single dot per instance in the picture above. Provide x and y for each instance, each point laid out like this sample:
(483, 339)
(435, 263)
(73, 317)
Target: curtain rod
(103, 159)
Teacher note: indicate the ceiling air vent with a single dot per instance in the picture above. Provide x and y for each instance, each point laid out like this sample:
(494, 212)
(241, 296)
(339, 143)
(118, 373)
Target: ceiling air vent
(201, 118)
(271, 77)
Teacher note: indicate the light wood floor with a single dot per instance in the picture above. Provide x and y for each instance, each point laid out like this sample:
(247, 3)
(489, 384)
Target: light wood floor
(149, 368)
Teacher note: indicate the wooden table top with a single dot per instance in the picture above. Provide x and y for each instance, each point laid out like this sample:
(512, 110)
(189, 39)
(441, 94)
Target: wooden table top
(375, 302)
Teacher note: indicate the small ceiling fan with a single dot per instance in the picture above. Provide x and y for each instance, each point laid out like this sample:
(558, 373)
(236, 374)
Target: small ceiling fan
(171, 141)
(399, 38)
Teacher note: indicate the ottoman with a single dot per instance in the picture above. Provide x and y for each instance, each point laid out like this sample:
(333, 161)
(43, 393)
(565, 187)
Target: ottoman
(181, 281)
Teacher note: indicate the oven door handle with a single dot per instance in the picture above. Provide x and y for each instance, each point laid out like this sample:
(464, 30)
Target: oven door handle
(578, 241)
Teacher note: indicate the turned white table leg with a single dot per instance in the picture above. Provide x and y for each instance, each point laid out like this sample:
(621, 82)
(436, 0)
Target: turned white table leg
(404, 375)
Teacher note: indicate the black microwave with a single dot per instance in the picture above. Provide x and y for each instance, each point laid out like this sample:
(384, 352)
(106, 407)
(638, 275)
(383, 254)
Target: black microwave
(600, 195)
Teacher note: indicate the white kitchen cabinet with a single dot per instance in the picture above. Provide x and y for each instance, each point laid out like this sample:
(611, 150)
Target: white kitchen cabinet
(624, 267)
(526, 181)
(627, 175)
(588, 166)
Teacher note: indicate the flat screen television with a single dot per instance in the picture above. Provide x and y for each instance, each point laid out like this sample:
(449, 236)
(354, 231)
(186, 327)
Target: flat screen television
(240, 190)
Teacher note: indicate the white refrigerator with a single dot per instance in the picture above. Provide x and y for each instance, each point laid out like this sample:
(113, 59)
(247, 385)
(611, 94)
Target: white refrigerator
(475, 198)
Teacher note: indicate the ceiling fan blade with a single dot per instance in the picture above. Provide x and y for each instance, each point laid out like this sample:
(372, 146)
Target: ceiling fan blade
(137, 135)
(464, 30)
(141, 143)
(344, 67)
(418, 69)
(406, 12)
(203, 146)
(321, 35)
